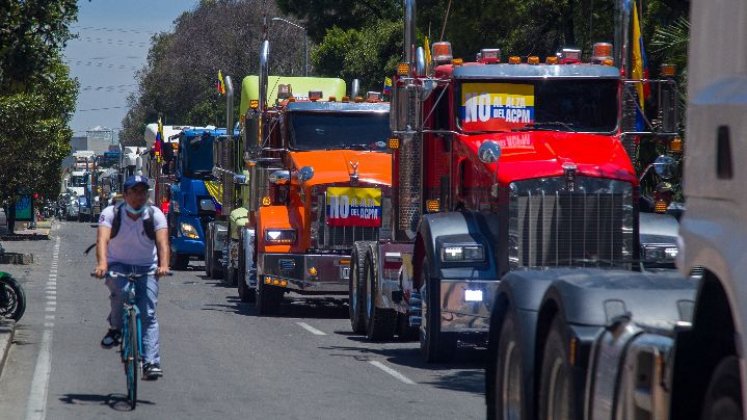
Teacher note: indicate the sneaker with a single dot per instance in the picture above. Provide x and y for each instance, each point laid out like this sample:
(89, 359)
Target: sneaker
(152, 371)
(111, 339)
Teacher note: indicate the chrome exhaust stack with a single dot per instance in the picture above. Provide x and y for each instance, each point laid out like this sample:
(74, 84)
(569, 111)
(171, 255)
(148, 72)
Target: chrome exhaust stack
(622, 50)
(227, 153)
(410, 40)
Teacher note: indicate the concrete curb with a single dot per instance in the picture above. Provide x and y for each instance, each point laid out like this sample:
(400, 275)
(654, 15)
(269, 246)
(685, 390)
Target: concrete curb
(7, 327)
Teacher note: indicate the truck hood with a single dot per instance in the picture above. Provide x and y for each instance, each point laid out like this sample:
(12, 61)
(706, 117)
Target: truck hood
(336, 166)
(535, 154)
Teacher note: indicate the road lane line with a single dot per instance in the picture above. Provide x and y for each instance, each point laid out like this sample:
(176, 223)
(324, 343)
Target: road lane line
(387, 369)
(37, 403)
(310, 329)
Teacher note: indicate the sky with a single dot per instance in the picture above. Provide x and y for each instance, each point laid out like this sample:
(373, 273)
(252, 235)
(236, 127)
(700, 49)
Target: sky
(112, 44)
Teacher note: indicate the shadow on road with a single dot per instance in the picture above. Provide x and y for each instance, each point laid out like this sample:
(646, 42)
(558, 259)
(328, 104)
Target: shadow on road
(117, 402)
(315, 307)
(465, 373)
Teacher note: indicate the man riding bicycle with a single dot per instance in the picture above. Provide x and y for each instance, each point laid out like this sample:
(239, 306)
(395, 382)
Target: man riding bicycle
(133, 238)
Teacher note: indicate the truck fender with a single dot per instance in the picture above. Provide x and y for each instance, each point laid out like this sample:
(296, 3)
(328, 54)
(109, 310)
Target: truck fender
(248, 238)
(457, 227)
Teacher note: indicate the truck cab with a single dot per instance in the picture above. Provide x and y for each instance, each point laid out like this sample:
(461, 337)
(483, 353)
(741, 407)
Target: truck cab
(194, 197)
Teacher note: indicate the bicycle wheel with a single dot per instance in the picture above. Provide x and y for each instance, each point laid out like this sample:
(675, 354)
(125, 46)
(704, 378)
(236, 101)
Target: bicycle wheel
(12, 298)
(132, 357)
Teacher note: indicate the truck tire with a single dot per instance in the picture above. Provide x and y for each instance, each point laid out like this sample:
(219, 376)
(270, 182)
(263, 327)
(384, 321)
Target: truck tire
(267, 298)
(216, 268)
(12, 298)
(245, 293)
(380, 323)
(557, 393)
(723, 400)
(209, 253)
(179, 261)
(506, 403)
(404, 331)
(435, 346)
(230, 278)
(355, 289)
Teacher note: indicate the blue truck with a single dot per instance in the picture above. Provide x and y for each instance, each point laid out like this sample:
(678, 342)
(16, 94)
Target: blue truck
(195, 196)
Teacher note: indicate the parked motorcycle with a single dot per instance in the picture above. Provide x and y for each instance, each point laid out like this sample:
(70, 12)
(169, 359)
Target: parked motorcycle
(12, 298)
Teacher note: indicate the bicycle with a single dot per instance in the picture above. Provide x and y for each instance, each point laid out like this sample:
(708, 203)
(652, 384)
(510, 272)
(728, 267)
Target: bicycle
(131, 343)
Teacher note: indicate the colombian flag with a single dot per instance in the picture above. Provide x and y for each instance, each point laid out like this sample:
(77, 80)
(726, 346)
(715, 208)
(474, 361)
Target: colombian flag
(640, 69)
(387, 86)
(220, 84)
(158, 146)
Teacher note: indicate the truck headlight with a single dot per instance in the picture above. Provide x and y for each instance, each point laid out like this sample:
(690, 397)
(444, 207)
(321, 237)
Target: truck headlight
(189, 231)
(660, 253)
(462, 253)
(280, 236)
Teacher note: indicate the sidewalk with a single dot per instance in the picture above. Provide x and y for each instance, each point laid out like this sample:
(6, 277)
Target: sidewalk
(23, 233)
(6, 337)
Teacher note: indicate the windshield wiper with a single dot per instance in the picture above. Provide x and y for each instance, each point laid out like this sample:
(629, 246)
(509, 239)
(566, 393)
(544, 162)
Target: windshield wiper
(545, 125)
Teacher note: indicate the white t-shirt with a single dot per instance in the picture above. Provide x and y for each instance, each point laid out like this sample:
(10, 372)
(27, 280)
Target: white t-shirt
(132, 245)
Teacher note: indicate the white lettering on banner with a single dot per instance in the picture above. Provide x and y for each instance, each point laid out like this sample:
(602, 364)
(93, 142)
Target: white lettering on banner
(471, 108)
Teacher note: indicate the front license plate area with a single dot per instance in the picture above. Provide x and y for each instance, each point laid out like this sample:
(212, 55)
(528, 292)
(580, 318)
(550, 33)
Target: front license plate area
(473, 295)
(345, 273)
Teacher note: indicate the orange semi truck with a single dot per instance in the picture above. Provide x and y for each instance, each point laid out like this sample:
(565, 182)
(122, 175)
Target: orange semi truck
(320, 180)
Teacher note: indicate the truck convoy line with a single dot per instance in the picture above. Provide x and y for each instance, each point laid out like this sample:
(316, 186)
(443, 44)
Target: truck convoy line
(593, 344)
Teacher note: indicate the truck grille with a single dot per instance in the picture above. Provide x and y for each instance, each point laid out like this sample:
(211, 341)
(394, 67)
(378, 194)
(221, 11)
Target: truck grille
(587, 224)
(341, 238)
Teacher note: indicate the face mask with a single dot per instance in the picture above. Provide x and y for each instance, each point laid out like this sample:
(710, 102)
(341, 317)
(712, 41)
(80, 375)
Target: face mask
(134, 211)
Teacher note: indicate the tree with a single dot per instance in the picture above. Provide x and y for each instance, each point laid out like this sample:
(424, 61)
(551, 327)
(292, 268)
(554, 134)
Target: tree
(37, 95)
(178, 81)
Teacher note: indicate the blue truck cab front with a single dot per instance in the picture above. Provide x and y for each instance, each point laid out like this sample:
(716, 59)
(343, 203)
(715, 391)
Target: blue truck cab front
(195, 197)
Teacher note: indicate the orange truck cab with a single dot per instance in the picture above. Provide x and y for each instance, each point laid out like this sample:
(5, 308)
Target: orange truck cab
(320, 175)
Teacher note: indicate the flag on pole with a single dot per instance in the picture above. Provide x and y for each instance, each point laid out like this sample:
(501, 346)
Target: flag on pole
(639, 70)
(220, 84)
(158, 145)
(387, 86)
(427, 48)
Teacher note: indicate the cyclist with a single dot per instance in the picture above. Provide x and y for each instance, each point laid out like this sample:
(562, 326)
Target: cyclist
(133, 238)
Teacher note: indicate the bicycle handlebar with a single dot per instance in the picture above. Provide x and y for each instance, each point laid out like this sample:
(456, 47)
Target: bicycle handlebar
(131, 275)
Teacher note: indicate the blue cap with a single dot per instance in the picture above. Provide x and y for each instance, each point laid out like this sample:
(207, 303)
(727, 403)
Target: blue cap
(136, 180)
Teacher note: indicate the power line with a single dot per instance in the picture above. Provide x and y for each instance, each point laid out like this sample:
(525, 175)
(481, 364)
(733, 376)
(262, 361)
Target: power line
(101, 109)
(106, 29)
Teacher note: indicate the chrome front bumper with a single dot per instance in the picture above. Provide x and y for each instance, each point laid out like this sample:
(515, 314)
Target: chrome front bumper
(466, 304)
(332, 271)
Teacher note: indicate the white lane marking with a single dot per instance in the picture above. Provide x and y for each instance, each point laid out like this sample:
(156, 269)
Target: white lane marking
(37, 403)
(310, 329)
(387, 369)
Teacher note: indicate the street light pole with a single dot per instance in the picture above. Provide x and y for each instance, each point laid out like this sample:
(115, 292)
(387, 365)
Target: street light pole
(305, 42)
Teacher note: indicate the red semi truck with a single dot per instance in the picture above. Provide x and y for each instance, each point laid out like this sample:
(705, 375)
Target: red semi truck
(498, 167)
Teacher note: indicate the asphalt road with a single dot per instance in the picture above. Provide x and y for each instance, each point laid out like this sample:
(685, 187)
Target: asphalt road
(220, 359)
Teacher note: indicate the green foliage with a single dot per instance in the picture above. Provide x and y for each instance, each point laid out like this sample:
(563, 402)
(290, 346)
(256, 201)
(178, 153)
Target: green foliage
(179, 79)
(367, 54)
(37, 96)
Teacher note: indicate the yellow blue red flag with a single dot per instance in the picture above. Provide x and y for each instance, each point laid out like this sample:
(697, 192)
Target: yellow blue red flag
(158, 146)
(639, 69)
(387, 86)
(220, 84)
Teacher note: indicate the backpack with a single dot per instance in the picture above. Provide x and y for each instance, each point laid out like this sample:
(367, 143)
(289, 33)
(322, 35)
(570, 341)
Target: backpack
(149, 224)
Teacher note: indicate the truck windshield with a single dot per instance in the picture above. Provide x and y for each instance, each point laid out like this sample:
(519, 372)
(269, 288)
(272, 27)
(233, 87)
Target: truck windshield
(198, 157)
(77, 181)
(339, 130)
(551, 104)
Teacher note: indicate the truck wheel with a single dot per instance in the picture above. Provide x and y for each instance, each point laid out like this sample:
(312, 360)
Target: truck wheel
(435, 346)
(380, 323)
(245, 293)
(557, 394)
(179, 261)
(404, 331)
(505, 403)
(208, 254)
(268, 298)
(723, 400)
(215, 266)
(355, 289)
(230, 278)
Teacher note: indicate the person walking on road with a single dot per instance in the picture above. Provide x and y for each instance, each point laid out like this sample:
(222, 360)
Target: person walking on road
(133, 238)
